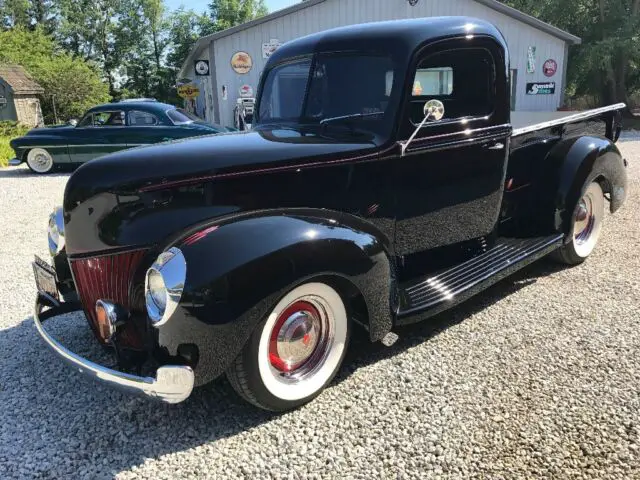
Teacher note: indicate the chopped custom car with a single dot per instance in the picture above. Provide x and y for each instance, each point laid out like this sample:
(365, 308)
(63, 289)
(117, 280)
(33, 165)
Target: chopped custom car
(106, 129)
(382, 183)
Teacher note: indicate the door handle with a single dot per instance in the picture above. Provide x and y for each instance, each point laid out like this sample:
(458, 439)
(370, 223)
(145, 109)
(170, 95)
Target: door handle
(497, 146)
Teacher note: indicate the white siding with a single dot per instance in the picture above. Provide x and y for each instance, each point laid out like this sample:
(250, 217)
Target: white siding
(335, 13)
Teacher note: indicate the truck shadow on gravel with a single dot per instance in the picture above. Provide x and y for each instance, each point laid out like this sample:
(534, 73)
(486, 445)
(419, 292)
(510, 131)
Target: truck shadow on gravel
(89, 430)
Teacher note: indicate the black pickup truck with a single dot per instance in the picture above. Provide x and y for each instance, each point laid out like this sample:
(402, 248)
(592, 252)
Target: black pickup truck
(382, 183)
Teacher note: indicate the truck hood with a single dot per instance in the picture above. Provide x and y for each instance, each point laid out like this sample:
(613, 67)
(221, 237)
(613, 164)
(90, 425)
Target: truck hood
(107, 199)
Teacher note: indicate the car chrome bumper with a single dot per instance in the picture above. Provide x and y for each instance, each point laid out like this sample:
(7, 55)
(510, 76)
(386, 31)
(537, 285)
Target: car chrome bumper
(173, 383)
(14, 162)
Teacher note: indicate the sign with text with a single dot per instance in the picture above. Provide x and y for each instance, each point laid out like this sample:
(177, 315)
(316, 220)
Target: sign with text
(269, 47)
(189, 91)
(541, 88)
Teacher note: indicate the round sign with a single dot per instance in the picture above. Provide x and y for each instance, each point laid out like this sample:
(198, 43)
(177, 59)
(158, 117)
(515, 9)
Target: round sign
(550, 67)
(241, 62)
(202, 67)
(246, 91)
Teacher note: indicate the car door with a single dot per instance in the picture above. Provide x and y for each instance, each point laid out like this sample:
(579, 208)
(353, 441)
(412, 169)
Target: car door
(450, 181)
(98, 134)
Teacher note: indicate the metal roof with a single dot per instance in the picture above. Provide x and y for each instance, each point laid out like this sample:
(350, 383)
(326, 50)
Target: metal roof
(19, 80)
(493, 4)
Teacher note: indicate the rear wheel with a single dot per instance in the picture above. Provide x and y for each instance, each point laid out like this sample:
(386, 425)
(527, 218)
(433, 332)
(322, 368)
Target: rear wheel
(39, 160)
(586, 227)
(295, 352)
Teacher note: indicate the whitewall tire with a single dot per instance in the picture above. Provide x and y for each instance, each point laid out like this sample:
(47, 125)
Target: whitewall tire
(586, 226)
(295, 351)
(40, 160)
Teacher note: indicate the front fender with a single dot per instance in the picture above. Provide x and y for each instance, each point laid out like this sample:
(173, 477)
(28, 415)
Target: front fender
(237, 271)
(581, 159)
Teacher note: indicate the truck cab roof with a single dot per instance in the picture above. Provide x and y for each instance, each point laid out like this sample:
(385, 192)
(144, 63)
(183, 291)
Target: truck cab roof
(399, 37)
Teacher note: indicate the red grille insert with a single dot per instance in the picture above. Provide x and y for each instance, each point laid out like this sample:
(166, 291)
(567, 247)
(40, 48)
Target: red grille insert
(108, 278)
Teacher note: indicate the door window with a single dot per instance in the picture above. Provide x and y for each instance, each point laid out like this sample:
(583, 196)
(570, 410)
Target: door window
(462, 79)
(103, 119)
(142, 119)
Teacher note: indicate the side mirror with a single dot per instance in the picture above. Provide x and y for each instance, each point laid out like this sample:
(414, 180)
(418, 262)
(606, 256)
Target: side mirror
(434, 110)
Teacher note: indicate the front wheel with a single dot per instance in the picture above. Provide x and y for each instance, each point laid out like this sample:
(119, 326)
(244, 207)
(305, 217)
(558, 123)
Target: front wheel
(586, 227)
(295, 352)
(40, 160)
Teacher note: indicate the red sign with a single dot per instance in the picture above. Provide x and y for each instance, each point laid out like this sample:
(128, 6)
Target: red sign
(550, 68)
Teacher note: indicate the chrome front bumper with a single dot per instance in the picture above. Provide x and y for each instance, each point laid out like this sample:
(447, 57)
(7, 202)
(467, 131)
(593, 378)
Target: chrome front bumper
(14, 162)
(173, 383)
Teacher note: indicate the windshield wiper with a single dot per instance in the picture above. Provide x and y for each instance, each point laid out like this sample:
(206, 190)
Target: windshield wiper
(349, 117)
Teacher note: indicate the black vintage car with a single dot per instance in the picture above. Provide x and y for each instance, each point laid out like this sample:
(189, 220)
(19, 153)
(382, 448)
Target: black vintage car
(383, 183)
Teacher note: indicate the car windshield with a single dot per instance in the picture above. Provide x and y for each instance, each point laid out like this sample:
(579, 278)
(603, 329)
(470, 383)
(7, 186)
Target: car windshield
(180, 116)
(336, 89)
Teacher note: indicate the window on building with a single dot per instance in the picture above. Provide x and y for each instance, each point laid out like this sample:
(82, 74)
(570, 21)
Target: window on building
(142, 119)
(462, 79)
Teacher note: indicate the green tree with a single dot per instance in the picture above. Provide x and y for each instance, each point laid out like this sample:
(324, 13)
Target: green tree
(229, 13)
(606, 64)
(73, 84)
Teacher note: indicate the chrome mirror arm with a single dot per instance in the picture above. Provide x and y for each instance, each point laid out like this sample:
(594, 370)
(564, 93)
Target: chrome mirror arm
(405, 145)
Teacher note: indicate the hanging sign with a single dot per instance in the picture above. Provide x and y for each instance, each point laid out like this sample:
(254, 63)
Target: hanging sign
(202, 67)
(246, 91)
(531, 60)
(541, 88)
(550, 67)
(241, 62)
(189, 91)
(269, 47)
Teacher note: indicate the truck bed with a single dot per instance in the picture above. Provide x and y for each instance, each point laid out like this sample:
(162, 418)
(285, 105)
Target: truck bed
(526, 122)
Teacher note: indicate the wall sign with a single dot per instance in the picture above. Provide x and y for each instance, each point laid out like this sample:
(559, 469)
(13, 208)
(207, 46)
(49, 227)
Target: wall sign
(246, 91)
(189, 91)
(531, 60)
(541, 88)
(202, 67)
(241, 62)
(269, 47)
(550, 67)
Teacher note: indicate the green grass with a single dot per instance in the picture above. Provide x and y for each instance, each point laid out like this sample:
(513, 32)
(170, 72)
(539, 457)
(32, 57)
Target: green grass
(6, 152)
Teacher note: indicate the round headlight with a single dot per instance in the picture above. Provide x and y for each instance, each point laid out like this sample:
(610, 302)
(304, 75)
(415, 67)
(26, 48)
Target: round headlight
(164, 284)
(55, 232)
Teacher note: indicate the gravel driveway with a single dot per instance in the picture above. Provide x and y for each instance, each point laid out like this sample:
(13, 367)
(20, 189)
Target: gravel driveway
(536, 378)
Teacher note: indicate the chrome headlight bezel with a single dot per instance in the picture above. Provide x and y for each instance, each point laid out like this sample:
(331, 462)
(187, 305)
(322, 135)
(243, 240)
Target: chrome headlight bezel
(172, 268)
(55, 231)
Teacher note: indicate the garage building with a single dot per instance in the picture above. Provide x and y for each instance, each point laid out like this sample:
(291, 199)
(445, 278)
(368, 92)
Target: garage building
(228, 64)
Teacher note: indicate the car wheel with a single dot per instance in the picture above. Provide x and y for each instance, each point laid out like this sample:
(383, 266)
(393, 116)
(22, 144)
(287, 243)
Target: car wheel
(39, 160)
(586, 227)
(294, 352)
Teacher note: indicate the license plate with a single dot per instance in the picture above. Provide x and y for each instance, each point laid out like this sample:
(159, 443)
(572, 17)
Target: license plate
(45, 277)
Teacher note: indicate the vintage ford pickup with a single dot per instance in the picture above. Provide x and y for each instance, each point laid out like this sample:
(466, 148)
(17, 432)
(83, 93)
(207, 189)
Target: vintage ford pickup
(382, 183)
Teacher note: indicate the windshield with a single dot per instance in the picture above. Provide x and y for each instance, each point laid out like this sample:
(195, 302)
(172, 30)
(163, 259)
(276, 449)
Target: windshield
(323, 90)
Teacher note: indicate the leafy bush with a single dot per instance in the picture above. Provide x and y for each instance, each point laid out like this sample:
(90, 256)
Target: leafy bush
(8, 131)
(12, 129)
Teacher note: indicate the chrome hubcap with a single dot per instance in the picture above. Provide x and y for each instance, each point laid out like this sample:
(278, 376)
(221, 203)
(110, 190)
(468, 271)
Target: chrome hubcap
(584, 220)
(300, 338)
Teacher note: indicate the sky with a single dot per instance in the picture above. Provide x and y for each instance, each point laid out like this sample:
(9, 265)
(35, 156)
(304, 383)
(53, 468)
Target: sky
(201, 5)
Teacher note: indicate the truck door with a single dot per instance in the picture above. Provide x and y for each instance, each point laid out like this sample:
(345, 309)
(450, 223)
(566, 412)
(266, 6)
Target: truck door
(450, 180)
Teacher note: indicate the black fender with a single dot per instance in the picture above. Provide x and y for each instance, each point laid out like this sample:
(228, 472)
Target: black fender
(576, 161)
(238, 269)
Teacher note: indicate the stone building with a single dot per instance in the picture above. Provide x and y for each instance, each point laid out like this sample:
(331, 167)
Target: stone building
(19, 97)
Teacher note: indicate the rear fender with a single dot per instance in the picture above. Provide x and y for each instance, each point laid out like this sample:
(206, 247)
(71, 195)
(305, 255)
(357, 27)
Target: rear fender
(238, 269)
(580, 160)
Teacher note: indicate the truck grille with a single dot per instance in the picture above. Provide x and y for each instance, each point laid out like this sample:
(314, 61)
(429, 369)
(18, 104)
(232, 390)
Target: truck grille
(109, 278)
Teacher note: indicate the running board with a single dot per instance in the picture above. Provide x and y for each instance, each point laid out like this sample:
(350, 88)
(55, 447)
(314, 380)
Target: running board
(447, 288)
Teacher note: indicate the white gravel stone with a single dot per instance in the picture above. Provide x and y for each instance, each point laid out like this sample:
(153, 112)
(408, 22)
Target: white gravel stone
(536, 378)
